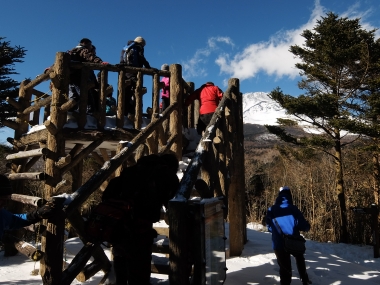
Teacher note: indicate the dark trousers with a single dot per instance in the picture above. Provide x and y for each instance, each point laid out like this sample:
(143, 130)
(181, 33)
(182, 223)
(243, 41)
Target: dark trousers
(130, 98)
(132, 257)
(165, 103)
(283, 260)
(203, 122)
(92, 101)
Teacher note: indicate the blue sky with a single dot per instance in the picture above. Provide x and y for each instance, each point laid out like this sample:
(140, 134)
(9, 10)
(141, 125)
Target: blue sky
(212, 40)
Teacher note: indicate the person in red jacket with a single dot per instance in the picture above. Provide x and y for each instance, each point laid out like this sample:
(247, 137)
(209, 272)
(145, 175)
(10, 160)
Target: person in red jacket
(209, 97)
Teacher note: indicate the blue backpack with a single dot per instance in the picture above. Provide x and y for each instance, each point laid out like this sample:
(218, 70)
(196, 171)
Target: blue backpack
(130, 55)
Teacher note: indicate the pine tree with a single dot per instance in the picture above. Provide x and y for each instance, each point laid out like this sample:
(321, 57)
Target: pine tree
(337, 62)
(9, 55)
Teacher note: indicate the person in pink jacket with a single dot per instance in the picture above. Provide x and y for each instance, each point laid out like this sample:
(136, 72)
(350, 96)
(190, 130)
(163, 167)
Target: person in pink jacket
(209, 97)
(165, 92)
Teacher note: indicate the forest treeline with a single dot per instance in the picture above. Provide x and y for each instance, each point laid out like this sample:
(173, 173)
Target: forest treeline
(311, 178)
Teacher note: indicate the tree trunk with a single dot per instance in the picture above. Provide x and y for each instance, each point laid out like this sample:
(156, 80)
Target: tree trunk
(340, 192)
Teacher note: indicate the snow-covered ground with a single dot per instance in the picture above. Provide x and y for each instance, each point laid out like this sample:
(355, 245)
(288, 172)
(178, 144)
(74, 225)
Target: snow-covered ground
(327, 263)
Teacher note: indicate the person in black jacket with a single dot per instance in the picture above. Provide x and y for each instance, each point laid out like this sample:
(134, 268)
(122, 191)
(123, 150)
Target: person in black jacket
(291, 221)
(84, 52)
(148, 185)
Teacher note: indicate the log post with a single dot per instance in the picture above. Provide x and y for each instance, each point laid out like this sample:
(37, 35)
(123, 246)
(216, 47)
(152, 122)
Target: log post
(236, 195)
(176, 95)
(222, 169)
(46, 112)
(120, 99)
(156, 109)
(196, 112)
(83, 101)
(138, 98)
(103, 99)
(178, 245)
(52, 241)
(190, 109)
(36, 117)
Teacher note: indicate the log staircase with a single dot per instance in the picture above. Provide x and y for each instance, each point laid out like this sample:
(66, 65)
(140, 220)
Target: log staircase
(218, 160)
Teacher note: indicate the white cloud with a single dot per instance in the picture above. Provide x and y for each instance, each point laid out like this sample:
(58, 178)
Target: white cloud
(271, 57)
(193, 67)
(353, 12)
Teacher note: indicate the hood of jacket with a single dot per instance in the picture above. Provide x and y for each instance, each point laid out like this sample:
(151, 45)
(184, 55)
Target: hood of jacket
(284, 198)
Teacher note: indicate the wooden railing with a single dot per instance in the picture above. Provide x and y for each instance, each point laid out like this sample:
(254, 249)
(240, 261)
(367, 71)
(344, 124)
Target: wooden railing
(221, 146)
(219, 159)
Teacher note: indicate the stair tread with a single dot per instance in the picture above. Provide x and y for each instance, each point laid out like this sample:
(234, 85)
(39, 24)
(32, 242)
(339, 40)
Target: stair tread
(161, 245)
(159, 264)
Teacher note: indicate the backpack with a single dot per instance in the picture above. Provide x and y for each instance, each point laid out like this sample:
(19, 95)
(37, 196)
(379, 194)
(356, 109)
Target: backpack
(74, 53)
(130, 55)
(108, 221)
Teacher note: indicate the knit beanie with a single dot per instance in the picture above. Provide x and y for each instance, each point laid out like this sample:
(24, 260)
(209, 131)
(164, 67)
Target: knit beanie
(165, 67)
(140, 40)
(284, 188)
(5, 186)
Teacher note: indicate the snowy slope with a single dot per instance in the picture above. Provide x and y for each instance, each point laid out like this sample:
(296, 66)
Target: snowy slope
(259, 109)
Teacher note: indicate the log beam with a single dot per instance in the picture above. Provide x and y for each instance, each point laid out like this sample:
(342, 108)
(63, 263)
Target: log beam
(28, 200)
(37, 105)
(11, 124)
(77, 264)
(31, 153)
(14, 103)
(84, 153)
(35, 176)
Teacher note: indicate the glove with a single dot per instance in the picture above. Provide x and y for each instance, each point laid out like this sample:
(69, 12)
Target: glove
(46, 211)
(104, 62)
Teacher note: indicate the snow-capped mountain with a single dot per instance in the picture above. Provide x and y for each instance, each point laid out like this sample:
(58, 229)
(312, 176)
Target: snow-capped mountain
(259, 109)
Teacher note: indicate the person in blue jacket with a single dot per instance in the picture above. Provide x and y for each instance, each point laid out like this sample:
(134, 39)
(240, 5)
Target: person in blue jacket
(10, 221)
(291, 221)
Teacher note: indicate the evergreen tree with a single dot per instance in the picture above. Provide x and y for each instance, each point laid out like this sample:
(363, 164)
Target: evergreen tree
(337, 62)
(9, 55)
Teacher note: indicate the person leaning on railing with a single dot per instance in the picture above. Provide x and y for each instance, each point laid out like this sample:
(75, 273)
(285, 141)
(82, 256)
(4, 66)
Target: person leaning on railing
(84, 52)
(10, 221)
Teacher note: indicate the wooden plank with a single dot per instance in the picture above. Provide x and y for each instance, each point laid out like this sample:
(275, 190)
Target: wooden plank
(161, 244)
(160, 265)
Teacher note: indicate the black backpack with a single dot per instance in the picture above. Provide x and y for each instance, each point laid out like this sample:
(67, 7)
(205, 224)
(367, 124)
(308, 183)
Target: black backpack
(75, 54)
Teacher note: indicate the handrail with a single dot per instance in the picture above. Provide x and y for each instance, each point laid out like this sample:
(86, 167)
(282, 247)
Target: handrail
(81, 194)
(191, 174)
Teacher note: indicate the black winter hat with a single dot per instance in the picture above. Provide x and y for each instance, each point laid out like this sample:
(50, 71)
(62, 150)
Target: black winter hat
(5, 186)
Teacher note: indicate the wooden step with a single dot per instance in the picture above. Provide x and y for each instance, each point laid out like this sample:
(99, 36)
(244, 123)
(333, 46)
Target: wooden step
(161, 245)
(159, 265)
(162, 231)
